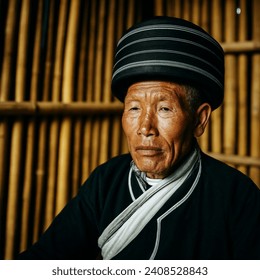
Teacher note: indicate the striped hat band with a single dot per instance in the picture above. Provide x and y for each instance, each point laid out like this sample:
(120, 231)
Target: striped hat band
(169, 49)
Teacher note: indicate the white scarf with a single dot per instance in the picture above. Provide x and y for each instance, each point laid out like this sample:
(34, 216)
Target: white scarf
(129, 223)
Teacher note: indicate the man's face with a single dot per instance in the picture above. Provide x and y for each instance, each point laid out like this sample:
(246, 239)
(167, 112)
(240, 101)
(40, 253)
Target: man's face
(158, 128)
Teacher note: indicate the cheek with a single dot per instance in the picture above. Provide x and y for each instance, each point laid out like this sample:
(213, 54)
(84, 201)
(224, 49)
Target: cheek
(128, 126)
(177, 134)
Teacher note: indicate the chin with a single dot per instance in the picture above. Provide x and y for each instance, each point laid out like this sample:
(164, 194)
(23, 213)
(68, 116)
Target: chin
(151, 169)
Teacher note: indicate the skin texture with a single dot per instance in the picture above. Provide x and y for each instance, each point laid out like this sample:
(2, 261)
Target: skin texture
(159, 126)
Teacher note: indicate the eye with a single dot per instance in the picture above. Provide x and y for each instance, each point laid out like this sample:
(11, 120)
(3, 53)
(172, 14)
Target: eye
(165, 109)
(134, 108)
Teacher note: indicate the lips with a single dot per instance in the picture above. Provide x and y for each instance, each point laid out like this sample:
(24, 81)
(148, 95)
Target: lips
(148, 150)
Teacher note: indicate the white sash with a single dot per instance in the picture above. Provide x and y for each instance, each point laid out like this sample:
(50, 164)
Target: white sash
(129, 223)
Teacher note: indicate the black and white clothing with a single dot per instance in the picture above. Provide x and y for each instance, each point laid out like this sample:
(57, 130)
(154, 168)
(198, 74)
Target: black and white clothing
(218, 217)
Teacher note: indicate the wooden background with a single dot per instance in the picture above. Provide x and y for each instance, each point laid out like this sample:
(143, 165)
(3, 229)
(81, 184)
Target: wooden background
(58, 119)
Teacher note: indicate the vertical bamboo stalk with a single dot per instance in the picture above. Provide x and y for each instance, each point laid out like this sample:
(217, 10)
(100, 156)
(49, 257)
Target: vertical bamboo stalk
(242, 87)
(107, 79)
(195, 15)
(77, 127)
(86, 154)
(177, 11)
(52, 173)
(204, 23)
(95, 143)
(91, 52)
(55, 123)
(216, 116)
(169, 8)
(97, 133)
(120, 20)
(43, 130)
(13, 191)
(17, 135)
(28, 178)
(205, 15)
(100, 51)
(131, 14)
(4, 152)
(78, 124)
(116, 134)
(109, 49)
(67, 96)
(9, 49)
(116, 120)
(229, 140)
(5, 93)
(186, 9)
(255, 100)
(159, 7)
(90, 92)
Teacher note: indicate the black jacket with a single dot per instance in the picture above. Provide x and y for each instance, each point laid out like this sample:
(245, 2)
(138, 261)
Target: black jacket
(220, 219)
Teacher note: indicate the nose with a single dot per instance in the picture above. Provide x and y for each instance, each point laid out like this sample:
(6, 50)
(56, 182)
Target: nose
(148, 125)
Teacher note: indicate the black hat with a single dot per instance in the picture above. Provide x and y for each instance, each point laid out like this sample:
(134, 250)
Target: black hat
(171, 49)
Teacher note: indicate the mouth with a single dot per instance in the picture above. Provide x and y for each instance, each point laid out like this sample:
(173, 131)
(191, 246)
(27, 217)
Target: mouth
(148, 150)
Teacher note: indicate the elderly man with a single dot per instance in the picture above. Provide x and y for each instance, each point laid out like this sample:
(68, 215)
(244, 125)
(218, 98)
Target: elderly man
(166, 199)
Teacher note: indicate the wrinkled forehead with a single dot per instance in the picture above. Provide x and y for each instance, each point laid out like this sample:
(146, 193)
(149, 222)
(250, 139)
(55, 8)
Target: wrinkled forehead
(156, 91)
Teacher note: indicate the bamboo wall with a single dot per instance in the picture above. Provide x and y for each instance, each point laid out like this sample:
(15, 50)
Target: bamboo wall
(58, 120)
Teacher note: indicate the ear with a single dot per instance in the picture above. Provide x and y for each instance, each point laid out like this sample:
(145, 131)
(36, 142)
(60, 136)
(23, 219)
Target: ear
(202, 118)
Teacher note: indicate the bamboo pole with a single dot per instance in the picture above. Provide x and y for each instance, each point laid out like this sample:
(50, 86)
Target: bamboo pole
(115, 135)
(55, 123)
(42, 159)
(78, 122)
(242, 88)
(177, 8)
(216, 118)
(195, 14)
(116, 120)
(168, 8)
(91, 52)
(46, 108)
(204, 22)
(9, 50)
(99, 78)
(186, 10)
(237, 159)
(241, 47)
(131, 14)
(13, 214)
(77, 151)
(4, 159)
(95, 143)
(230, 108)
(159, 11)
(86, 154)
(255, 100)
(100, 51)
(30, 149)
(5, 94)
(67, 96)
(87, 126)
(110, 31)
(120, 21)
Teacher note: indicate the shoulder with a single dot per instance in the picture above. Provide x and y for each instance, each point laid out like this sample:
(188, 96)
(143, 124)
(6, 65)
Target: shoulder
(110, 171)
(115, 165)
(223, 175)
